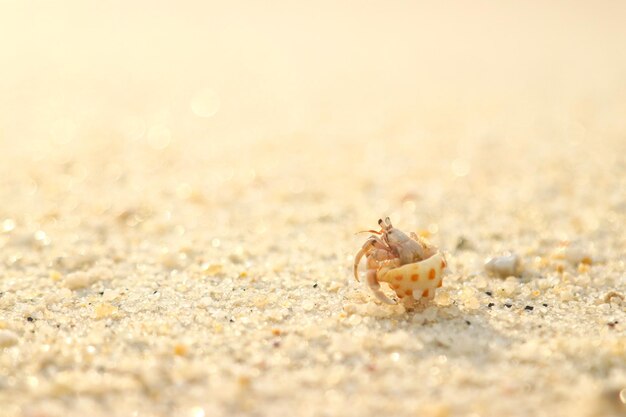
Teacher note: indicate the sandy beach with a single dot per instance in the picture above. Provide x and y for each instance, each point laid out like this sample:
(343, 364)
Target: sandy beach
(181, 189)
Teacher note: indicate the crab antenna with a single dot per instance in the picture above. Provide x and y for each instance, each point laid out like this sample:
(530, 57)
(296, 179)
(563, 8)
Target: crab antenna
(369, 231)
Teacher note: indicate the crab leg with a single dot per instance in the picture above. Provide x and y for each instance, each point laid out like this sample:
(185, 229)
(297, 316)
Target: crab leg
(371, 243)
(428, 250)
(373, 284)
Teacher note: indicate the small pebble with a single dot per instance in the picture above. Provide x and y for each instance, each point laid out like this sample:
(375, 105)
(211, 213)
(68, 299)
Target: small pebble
(104, 310)
(110, 294)
(566, 293)
(7, 225)
(472, 304)
(212, 269)
(77, 280)
(172, 259)
(443, 299)
(576, 254)
(469, 298)
(55, 275)
(7, 338)
(244, 381)
(503, 266)
(354, 320)
(180, 350)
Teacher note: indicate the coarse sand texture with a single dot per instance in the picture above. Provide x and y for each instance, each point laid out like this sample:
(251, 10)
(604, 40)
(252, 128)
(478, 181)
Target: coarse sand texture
(182, 187)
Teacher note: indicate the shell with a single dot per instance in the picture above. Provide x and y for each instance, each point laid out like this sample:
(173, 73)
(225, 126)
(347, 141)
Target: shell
(418, 279)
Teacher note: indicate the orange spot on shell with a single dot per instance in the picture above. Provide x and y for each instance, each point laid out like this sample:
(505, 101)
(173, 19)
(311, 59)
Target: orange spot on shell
(431, 274)
(415, 277)
(440, 284)
(443, 263)
(425, 293)
(409, 292)
(398, 277)
(395, 286)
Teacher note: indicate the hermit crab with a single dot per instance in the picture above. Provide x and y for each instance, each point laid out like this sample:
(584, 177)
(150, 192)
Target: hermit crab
(411, 266)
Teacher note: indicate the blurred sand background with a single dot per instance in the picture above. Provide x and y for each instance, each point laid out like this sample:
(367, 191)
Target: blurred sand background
(180, 184)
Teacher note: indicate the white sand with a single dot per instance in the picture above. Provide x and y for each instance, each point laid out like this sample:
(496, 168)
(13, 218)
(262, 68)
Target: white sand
(157, 263)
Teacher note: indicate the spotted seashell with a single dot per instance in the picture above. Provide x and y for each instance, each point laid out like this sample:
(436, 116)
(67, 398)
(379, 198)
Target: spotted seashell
(418, 279)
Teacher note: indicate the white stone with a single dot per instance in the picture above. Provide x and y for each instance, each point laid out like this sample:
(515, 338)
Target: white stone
(503, 266)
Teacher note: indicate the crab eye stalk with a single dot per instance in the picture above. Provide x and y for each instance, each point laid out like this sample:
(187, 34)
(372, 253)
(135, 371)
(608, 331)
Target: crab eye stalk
(385, 224)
